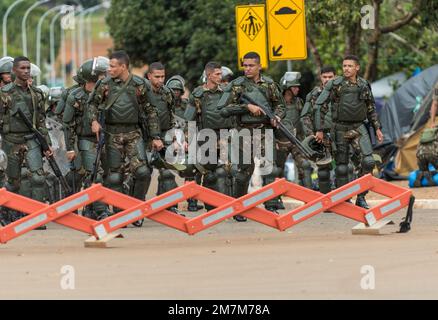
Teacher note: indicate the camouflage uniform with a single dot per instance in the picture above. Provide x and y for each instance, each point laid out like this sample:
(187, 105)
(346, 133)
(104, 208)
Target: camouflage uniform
(19, 143)
(265, 91)
(125, 145)
(78, 136)
(351, 104)
(308, 123)
(164, 103)
(427, 152)
(60, 106)
(293, 112)
(203, 102)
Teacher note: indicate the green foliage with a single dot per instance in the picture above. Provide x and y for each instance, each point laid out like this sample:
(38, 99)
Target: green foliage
(185, 34)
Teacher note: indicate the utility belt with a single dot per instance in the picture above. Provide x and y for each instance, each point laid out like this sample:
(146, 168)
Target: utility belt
(121, 128)
(346, 126)
(254, 126)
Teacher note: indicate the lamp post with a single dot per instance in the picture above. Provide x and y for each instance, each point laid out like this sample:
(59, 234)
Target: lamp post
(38, 39)
(52, 47)
(24, 21)
(81, 29)
(5, 26)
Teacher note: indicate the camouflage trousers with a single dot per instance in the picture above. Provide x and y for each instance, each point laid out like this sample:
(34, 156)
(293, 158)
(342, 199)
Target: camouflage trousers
(26, 154)
(243, 170)
(427, 153)
(303, 165)
(126, 162)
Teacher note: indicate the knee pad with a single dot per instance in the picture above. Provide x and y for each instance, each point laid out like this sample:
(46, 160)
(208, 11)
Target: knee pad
(342, 170)
(114, 178)
(210, 179)
(368, 164)
(166, 175)
(324, 174)
(37, 179)
(142, 172)
(221, 172)
(306, 165)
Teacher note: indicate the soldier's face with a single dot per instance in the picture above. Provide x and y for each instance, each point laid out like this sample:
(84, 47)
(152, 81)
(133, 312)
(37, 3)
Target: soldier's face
(177, 93)
(6, 78)
(251, 68)
(215, 76)
(22, 71)
(295, 90)
(288, 95)
(157, 77)
(116, 69)
(326, 77)
(350, 68)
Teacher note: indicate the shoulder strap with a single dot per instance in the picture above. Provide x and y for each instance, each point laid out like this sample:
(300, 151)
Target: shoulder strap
(117, 96)
(34, 104)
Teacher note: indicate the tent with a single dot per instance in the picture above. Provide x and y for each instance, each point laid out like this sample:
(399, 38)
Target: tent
(405, 115)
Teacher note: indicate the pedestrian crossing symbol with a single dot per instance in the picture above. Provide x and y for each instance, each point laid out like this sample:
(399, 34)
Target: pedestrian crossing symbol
(251, 24)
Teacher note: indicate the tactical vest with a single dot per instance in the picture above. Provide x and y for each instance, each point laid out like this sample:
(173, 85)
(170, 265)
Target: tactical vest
(82, 114)
(206, 102)
(351, 106)
(125, 111)
(19, 100)
(162, 101)
(180, 108)
(293, 113)
(328, 121)
(259, 94)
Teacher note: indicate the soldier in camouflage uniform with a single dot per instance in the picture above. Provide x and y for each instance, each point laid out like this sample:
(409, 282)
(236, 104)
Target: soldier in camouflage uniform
(53, 99)
(123, 100)
(308, 123)
(264, 91)
(78, 134)
(203, 109)
(177, 85)
(162, 98)
(59, 110)
(290, 85)
(427, 150)
(352, 102)
(5, 71)
(19, 142)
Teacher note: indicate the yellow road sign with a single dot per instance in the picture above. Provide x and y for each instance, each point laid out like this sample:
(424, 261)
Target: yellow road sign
(251, 32)
(286, 30)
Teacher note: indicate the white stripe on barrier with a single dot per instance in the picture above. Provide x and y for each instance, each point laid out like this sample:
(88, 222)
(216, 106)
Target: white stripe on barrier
(257, 198)
(125, 218)
(371, 219)
(167, 200)
(73, 203)
(30, 223)
(217, 216)
(346, 193)
(307, 211)
(100, 231)
(390, 206)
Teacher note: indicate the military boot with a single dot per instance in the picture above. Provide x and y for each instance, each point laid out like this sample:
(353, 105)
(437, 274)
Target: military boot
(240, 218)
(193, 205)
(361, 202)
(429, 179)
(280, 204)
(174, 209)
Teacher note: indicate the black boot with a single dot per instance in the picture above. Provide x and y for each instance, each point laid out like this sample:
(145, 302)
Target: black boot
(280, 205)
(361, 202)
(175, 210)
(193, 205)
(240, 218)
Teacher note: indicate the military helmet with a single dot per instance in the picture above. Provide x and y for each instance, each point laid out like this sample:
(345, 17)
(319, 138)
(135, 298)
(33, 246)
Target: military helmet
(290, 79)
(55, 94)
(6, 64)
(100, 65)
(321, 154)
(35, 71)
(176, 83)
(45, 89)
(226, 72)
(91, 69)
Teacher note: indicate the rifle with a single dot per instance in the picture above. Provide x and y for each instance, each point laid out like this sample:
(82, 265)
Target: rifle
(45, 147)
(289, 135)
(99, 147)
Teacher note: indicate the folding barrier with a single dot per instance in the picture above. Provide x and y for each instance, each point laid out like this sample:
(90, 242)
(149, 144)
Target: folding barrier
(226, 207)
